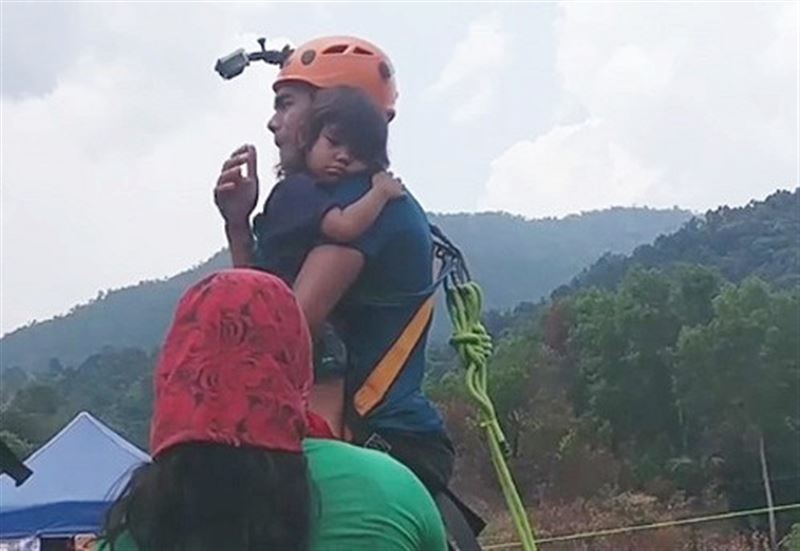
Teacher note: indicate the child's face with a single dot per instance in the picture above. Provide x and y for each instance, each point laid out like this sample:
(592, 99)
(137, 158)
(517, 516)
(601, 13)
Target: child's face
(329, 161)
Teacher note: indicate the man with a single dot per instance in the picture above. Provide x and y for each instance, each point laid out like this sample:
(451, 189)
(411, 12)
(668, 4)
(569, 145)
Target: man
(379, 285)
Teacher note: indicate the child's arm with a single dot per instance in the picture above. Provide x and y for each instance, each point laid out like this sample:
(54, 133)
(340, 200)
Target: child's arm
(348, 224)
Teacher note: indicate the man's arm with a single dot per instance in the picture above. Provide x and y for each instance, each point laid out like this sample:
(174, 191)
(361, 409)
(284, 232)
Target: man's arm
(240, 244)
(327, 273)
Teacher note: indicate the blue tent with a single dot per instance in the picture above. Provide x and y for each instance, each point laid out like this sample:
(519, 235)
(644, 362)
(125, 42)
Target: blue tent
(75, 477)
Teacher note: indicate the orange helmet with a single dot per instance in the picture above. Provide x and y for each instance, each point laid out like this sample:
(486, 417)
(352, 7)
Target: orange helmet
(342, 61)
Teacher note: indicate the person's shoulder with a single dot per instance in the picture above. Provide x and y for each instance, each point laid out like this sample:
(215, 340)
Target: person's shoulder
(407, 216)
(409, 203)
(299, 182)
(295, 194)
(303, 178)
(336, 450)
(372, 500)
(359, 180)
(351, 188)
(371, 466)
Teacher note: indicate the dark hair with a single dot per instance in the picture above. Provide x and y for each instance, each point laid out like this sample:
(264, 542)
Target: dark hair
(204, 497)
(354, 119)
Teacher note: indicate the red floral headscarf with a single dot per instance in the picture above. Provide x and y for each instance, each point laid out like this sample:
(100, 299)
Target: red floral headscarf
(235, 368)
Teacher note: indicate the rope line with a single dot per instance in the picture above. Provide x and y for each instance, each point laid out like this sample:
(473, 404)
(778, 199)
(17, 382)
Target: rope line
(650, 526)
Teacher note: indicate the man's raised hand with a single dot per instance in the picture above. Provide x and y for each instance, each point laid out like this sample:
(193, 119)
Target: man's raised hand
(236, 193)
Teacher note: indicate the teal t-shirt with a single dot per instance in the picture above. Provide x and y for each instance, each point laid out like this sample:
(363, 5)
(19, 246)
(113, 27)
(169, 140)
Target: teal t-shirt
(395, 281)
(365, 501)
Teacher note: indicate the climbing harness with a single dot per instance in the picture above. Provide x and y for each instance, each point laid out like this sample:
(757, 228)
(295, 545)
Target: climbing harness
(474, 346)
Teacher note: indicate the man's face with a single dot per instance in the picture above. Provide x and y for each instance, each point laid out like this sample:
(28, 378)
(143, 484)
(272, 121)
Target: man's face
(292, 102)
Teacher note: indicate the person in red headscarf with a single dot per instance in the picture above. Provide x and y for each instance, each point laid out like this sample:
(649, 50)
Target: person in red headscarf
(232, 465)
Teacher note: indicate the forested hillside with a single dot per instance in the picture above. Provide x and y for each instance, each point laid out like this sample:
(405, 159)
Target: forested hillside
(515, 259)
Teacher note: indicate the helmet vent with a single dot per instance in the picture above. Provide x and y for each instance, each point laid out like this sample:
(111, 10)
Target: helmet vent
(361, 51)
(385, 71)
(308, 56)
(336, 49)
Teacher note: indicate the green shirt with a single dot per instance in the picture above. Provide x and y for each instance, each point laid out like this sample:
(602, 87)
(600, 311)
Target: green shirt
(366, 501)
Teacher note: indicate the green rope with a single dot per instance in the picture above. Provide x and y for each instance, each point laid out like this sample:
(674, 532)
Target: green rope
(474, 346)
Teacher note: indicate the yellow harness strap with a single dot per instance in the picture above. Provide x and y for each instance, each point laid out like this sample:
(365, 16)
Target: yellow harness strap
(389, 367)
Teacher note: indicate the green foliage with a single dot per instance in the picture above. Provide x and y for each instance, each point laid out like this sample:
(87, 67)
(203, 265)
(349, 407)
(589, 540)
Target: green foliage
(19, 446)
(133, 317)
(759, 239)
(11, 380)
(515, 260)
(114, 385)
(739, 380)
(622, 343)
(663, 384)
(520, 260)
(687, 373)
(658, 372)
(792, 541)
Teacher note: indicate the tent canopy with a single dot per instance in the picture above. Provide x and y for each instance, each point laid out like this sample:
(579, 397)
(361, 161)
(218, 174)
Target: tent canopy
(76, 475)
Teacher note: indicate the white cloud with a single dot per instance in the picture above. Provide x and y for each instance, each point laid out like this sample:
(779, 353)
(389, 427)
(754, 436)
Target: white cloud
(110, 142)
(466, 79)
(107, 171)
(475, 105)
(698, 101)
(570, 169)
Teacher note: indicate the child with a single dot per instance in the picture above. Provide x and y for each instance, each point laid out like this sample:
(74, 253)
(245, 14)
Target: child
(344, 136)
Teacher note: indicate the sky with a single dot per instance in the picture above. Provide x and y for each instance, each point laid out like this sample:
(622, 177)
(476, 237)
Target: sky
(113, 124)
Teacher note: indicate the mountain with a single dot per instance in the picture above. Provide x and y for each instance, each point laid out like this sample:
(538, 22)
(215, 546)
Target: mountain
(761, 239)
(514, 259)
(674, 370)
(134, 316)
(518, 260)
(670, 374)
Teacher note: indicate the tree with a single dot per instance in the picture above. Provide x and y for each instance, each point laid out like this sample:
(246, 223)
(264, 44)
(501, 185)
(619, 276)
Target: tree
(621, 342)
(115, 385)
(739, 378)
(11, 379)
(21, 447)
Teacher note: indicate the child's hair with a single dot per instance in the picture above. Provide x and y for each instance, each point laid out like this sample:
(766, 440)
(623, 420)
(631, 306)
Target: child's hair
(354, 120)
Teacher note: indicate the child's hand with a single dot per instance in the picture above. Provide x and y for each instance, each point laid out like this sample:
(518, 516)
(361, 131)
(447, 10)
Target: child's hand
(389, 185)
